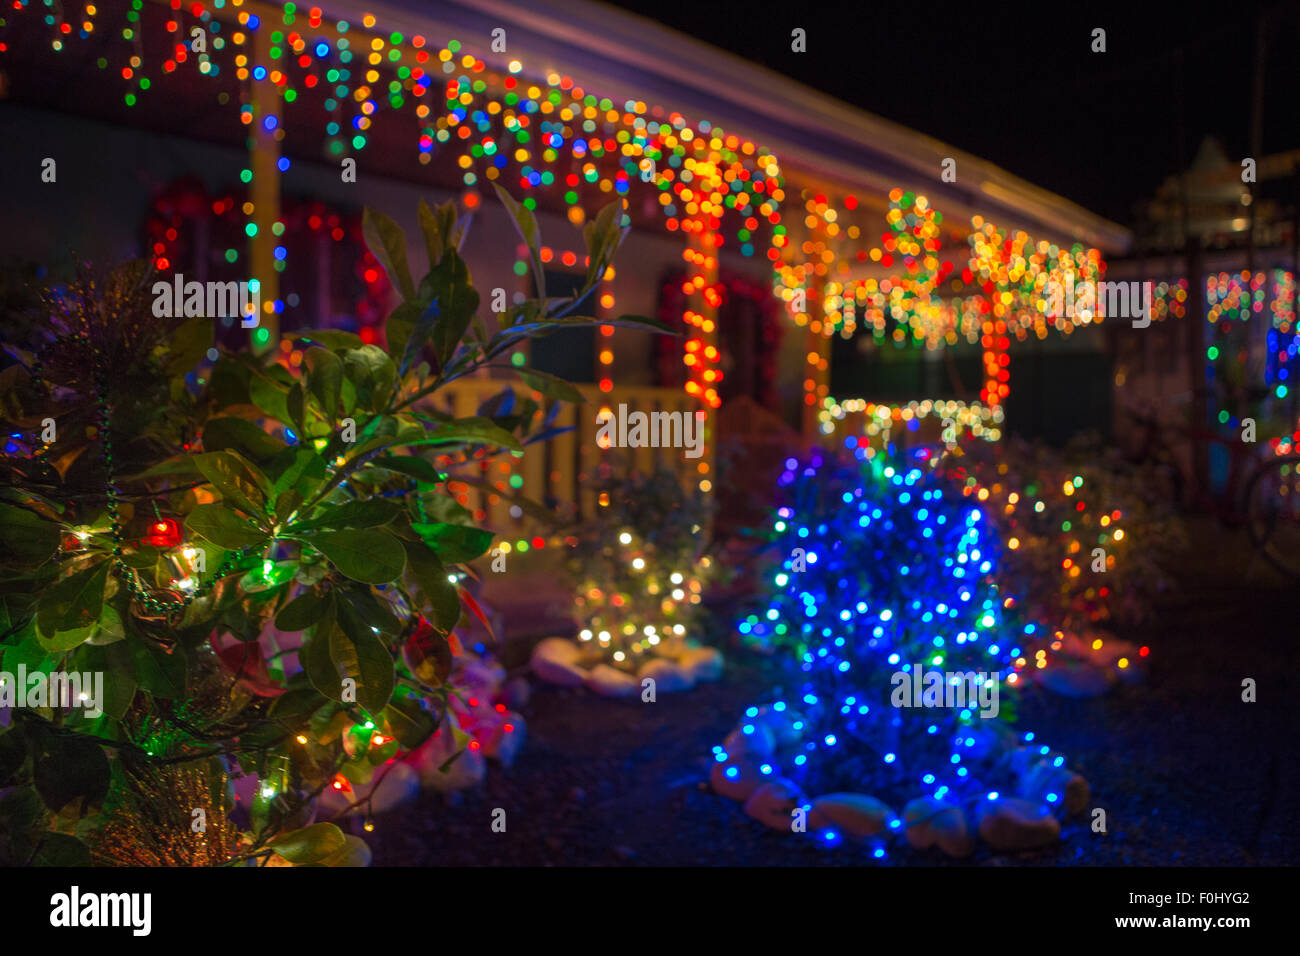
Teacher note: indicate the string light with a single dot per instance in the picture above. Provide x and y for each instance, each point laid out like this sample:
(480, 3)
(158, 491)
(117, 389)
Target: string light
(884, 569)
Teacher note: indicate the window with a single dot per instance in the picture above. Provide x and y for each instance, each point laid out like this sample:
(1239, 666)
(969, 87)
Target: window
(568, 353)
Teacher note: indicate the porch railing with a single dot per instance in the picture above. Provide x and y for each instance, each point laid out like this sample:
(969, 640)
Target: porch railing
(560, 472)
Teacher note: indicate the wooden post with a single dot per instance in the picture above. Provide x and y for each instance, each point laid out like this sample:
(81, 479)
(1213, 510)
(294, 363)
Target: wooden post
(264, 194)
(818, 376)
(703, 244)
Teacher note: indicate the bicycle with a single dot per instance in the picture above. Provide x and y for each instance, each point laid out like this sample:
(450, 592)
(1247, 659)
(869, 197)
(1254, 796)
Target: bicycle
(1260, 491)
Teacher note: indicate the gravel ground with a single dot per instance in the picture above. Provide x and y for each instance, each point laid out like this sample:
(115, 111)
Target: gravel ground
(1189, 775)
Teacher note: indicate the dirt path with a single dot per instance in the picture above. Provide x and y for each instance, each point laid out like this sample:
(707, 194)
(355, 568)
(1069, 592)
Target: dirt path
(1188, 774)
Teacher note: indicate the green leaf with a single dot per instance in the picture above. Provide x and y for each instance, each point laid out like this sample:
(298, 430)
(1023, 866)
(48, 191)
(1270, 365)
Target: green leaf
(377, 614)
(417, 335)
(603, 235)
(355, 853)
(398, 328)
(28, 654)
(460, 740)
(293, 710)
(433, 589)
(325, 378)
(13, 754)
(178, 466)
(454, 543)
(302, 612)
(158, 672)
(240, 483)
(551, 385)
(333, 339)
(215, 522)
(359, 653)
(271, 396)
(58, 642)
(469, 431)
(317, 663)
(114, 662)
(188, 346)
(67, 768)
(110, 628)
(60, 849)
(363, 554)
(526, 224)
(237, 434)
(644, 322)
(455, 301)
(76, 602)
(372, 372)
(353, 514)
(310, 844)
(304, 473)
(26, 539)
(409, 465)
(386, 241)
(410, 723)
(434, 238)
(296, 404)
(142, 557)
(445, 509)
(286, 504)
(228, 382)
(345, 648)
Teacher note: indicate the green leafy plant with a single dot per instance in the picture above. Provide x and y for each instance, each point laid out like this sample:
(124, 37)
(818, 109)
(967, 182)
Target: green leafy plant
(188, 534)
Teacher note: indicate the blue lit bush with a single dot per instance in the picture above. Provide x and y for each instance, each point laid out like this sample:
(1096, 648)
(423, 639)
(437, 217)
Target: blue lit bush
(897, 571)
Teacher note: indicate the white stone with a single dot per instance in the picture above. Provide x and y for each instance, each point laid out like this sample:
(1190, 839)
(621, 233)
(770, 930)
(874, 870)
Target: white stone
(558, 649)
(468, 770)
(704, 664)
(739, 785)
(1074, 678)
(857, 814)
(1010, 823)
(355, 852)
(1042, 778)
(612, 682)
(667, 675)
(782, 724)
(759, 743)
(554, 660)
(931, 822)
(516, 692)
(499, 743)
(484, 678)
(773, 803)
(390, 787)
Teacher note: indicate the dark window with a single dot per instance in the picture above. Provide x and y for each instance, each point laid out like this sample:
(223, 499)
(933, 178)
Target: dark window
(569, 353)
(878, 370)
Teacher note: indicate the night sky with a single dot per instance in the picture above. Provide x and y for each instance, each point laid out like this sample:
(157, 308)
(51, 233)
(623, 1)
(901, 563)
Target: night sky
(1018, 84)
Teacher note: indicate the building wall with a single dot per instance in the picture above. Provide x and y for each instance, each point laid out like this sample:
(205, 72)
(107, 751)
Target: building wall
(96, 209)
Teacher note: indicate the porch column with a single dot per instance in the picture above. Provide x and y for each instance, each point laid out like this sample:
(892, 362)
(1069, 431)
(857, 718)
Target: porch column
(702, 355)
(817, 348)
(264, 191)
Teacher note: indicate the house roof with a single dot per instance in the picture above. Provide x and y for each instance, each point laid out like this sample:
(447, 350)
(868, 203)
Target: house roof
(822, 143)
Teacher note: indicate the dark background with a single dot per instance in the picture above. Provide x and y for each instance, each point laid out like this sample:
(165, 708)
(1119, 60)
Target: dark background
(1018, 84)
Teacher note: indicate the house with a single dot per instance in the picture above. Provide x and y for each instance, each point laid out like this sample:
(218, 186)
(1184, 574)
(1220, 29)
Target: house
(858, 279)
(1219, 247)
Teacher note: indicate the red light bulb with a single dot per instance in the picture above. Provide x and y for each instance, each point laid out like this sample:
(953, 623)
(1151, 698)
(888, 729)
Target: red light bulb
(164, 533)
